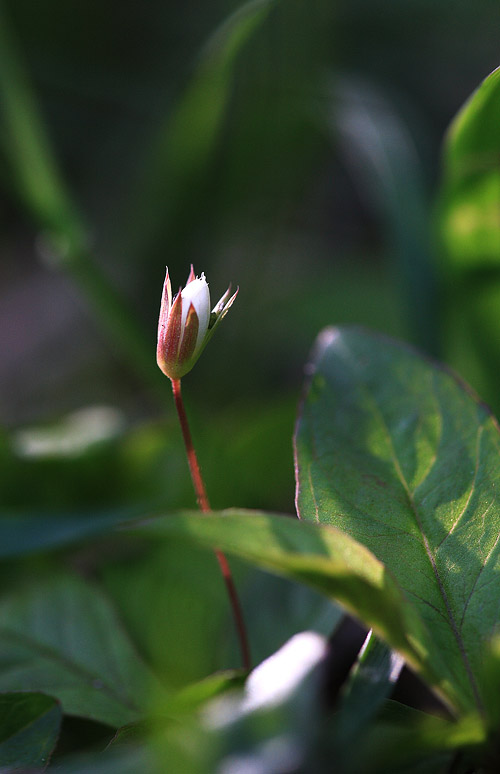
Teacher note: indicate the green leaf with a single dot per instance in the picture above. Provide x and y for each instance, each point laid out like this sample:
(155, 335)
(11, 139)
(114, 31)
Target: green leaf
(403, 737)
(29, 728)
(468, 227)
(187, 144)
(401, 456)
(371, 681)
(129, 761)
(27, 534)
(320, 556)
(181, 588)
(379, 147)
(471, 181)
(62, 636)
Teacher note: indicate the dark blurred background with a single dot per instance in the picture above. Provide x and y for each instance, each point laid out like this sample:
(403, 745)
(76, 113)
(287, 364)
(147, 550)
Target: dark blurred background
(289, 147)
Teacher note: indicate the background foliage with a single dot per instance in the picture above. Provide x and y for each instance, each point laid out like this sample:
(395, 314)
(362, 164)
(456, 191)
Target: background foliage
(295, 149)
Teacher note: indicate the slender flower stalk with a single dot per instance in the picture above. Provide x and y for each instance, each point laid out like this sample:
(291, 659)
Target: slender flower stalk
(185, 326)
(204, 505)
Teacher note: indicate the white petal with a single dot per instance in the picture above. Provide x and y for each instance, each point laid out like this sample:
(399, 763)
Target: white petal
(198, 294)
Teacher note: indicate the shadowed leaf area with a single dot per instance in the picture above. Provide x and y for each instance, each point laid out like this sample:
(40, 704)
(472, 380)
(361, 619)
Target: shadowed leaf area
(29, 728)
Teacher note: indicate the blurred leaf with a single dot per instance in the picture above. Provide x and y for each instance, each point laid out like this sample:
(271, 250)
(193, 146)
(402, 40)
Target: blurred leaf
(270, 725)
(471, 181)
(320, 556)
(379, 147)
(63, 637)
(40, 186)
(129, 761)
(28, 149)
(27, 534)
(289, 608)
(187, 144)
(29, 728)
(370, 682)
(468, 224)
(400, 455)
(181, 588)
(403, 737)
(193, 696)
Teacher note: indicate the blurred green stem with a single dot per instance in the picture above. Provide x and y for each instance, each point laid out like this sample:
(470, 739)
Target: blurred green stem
(40, 186)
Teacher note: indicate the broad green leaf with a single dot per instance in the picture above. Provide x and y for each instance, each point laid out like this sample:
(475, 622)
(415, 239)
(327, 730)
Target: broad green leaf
(29, 728)
(62, 636)
(399, 455)
(320, 556)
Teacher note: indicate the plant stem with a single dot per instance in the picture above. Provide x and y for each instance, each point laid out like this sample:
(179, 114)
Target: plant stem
(202, 497)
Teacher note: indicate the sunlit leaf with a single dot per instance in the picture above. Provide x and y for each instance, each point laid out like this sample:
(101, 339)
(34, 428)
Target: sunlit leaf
(468, 226)
(471, 181)
(29, 728)
(62, 636)
(401, 456)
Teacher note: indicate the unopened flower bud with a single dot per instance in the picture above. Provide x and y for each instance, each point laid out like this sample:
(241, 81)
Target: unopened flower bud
(186, 324)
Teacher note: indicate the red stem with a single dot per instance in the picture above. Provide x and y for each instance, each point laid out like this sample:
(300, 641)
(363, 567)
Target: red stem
(202, 497)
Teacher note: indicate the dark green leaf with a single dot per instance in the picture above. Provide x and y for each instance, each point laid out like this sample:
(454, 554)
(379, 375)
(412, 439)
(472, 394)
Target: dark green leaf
(62, 636)
(403, 737)
(398, 454)
(132, 760)
(27, 534)
(181, 588)
(370, 683)
(29, 728)
(187, 144)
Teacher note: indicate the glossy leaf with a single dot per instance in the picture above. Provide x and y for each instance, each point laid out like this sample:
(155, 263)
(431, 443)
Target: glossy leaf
(62, 636)
(29, 728)
(320, 556)
(398, 454)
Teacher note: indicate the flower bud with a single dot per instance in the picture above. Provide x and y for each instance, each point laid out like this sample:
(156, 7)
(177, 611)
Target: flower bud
(186, 324)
